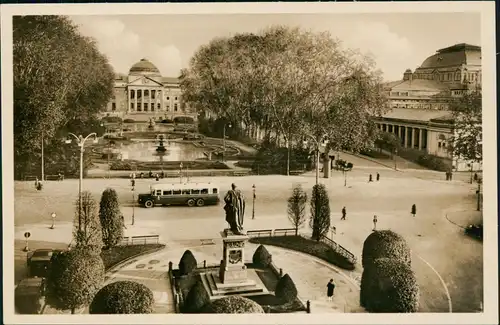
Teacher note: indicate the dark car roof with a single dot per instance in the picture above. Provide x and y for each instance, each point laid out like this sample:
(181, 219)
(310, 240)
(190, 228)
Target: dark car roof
(43, 252)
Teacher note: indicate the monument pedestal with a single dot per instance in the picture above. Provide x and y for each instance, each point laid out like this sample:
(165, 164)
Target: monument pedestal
(233, 269)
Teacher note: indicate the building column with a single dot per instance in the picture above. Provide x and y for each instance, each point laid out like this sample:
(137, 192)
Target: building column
(413, 137)
(136, 98)
(419, 139)
(407, 135)
(399, 131)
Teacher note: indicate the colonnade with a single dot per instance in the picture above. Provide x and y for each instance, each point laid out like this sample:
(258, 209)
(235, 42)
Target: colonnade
(411, 137)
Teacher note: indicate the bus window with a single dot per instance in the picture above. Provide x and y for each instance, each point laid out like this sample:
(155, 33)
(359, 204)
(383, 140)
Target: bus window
(158, 192)
(204, 191)
(186, 192)
(195, 191)
(167, 192)
(214, 191)
(176, 192)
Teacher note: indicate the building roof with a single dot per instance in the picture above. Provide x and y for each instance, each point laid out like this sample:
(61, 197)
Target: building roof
(420, 84)
(421, 115)
(170, 80)
(144, 67)
(455, 55)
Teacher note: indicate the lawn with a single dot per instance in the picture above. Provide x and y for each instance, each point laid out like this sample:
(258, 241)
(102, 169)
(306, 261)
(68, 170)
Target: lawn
(115, 255)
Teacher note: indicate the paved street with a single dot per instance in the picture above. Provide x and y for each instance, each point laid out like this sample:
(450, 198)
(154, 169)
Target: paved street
(439, 247)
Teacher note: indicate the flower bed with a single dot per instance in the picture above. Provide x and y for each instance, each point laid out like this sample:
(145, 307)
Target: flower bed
(308, 246)
(118, 254)
(166, 165)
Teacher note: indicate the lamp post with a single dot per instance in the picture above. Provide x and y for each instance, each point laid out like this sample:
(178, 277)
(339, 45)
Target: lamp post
(43, 168)
(395, 158)
(109, 145)
(479, 181)
(53, 215)
(180, 172)
(253, 202)
(224, 141)
(81, 143)
(318, 145)
(133, 203)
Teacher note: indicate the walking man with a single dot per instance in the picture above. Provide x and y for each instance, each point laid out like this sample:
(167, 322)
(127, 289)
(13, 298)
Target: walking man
(330, 289)
(378, 176)
(374, 222)
(414, 210)
(343, 213)
(370, 179)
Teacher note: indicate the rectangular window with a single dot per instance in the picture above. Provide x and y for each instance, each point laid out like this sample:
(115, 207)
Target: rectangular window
(158, 192)
(113, 106)
(195, 191)
(158, 106)
(176, 192)
(132, 105)
(214, 191)
(186, 192)
(139, 107)
(175, 98)
(167, 192)
(153, 93)
(175, 107)
(145, 107)
(204, 191)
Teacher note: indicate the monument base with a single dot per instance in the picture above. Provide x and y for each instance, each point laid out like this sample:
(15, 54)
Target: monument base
(252, 286)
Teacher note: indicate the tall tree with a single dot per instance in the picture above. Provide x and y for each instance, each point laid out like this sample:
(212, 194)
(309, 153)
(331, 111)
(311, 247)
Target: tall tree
(59, 77)
(297, 207)
(111, 218)
(320, 212)
(87, 232)
(74, 278)
(467, 141)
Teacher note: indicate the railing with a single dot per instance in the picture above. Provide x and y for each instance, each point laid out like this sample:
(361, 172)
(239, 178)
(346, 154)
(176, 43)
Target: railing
(258, 233)
(337, 247)
(137, 240)
(284, 232)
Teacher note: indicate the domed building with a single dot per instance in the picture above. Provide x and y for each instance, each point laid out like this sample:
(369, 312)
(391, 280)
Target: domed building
(419, 113)
(144, 92)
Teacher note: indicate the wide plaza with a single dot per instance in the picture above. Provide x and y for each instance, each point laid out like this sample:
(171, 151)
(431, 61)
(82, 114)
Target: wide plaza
(448, 264)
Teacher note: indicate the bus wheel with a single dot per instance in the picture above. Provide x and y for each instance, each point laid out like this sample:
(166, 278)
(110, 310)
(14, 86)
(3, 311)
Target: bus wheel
(200, 202)
(148, 204)
(191, 202)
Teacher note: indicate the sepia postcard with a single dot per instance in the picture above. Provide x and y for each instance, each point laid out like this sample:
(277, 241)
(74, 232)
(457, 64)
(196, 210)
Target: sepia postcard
(249, 163)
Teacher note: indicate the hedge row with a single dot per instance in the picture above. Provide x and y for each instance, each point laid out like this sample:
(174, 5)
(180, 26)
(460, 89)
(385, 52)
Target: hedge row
(123, 297)
(385, 244)
(426, 160)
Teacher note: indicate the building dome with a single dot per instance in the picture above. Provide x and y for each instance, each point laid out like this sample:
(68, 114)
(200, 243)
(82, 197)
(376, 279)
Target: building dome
(144, 67)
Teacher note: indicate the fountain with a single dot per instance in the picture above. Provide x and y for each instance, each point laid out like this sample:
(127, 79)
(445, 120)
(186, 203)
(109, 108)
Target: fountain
(161, 147)
(151, 124)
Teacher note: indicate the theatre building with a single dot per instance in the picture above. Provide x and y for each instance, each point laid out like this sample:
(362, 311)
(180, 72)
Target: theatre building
(419, 113)
(145, 92)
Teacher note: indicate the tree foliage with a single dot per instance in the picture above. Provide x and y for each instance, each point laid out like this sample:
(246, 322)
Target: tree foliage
(388, 141)
(389, 286)
(123, 297)
(87, 232)
(286, 289)
(385, 244)
(73, 279)
(290, 83)
(297, 207)
(188, 263)
(196, 299)
(60, 78)
(320, 212)
(111, 218)
(467, 141)
(233, 305)
(261, 257)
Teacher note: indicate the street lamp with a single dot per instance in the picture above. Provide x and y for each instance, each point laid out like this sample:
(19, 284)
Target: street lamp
(180, 172)
(53, 215)
(395, 159)
(109, 145)
(479, 181)
(224, 141)
(253, 202)
(318, 145)
(80, 140)
(133, 203)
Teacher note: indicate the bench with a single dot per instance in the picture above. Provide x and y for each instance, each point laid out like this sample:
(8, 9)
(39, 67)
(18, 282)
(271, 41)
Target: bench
(124, 241)
(208, 241)
(30, 178)
(260, 233)
(297, 172)
(240, 173)
(284, 232)
(54, 177)
(137, 240)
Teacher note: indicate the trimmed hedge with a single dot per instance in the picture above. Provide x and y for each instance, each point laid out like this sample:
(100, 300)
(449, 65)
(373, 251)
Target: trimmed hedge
(312, 247)
(233, 305)
(389, 286)
(426, 160)
(123, 297)
(286, 289)
(187, 263)
(385, 244)
(196, 299)
(261, 257)
(128, 120)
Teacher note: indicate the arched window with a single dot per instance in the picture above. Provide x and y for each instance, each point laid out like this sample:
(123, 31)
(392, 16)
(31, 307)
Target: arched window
(153, 93)
(146, 93)
(132, 94)
(139, 93)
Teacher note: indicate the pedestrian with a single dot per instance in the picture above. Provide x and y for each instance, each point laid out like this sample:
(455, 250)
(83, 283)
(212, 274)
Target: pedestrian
(132, 182)
(330, 289)
(451, 176)
(447, 175)
(36, 183)
(414, 210)
(475, 177)
(123, 221)
(150, 174)
(378, 176)
(374, 222)
(142, 175)
(343, 213)
(370, 179)
(157, 177)
(162, 174)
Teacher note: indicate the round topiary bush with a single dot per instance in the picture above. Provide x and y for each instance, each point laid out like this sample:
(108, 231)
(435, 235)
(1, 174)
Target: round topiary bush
(385, 244)
(233, 305)
(389, 286)
(286, 289)
(123, 297)
(196, 299)
(187, 263)
(261, 257)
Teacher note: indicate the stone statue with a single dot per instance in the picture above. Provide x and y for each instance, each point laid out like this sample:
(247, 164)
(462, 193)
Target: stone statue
(235, 210)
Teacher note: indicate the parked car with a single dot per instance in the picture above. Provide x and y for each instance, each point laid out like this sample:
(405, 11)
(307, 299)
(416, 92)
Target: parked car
(39, 261)
(29, 296)
(475, 231)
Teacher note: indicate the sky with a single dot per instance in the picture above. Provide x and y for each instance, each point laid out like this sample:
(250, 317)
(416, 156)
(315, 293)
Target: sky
(397, 41)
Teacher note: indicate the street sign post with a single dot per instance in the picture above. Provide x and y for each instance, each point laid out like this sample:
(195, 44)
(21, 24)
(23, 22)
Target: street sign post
(26, 236)
(53, 215)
